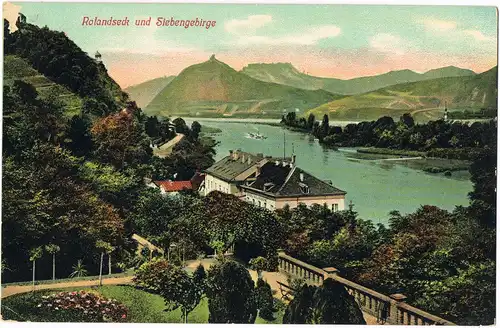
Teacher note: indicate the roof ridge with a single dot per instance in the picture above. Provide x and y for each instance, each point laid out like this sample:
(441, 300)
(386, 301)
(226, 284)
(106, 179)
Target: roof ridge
(287, 178)
(322, 181)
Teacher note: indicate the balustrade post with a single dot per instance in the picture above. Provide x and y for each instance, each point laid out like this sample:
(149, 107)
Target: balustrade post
(396, 314)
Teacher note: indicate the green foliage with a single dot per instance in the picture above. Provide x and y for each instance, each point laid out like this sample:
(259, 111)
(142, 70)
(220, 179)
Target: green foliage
(231, 295)
(434, 139)
(103, 246)
(199, 278)
(173, 283)
(78, 270)
(265, 300)
(468, 295)
(60, 59)
(258, 264)
(52, 249)
(328, 304)
(36, 253)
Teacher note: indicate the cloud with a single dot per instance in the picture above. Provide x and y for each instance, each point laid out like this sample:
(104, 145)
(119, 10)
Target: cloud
(389, 43)
(248, 25)
(309, 37)
(439, 25)
(478, 35)
(453, 32)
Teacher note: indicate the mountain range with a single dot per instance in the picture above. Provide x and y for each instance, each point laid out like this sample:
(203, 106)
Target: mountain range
(287, 74)
(213, 88)
(143, 93)
(425, 100)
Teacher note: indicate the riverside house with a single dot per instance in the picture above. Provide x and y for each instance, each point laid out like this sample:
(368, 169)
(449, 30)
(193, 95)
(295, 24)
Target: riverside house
(271, 183)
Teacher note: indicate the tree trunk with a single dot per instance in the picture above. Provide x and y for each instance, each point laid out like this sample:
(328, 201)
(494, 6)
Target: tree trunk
(109, 264)
(54, 266)
(34, 276)
(100, 270)
(185, 316)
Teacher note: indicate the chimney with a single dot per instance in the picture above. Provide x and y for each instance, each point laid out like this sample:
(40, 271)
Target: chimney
(277, 163)
(235, 155)
(284, 164)
(243, 158)
(231, 153)
(301, 177)
(293, 159)
(249, 160)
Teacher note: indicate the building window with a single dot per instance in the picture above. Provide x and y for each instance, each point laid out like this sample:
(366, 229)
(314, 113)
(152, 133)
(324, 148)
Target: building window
(335, 207)
(304, 188)
(259, 204)
(253, 201)
(265, 205)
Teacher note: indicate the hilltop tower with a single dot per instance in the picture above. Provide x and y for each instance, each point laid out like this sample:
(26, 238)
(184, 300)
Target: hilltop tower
(212, 58)
(97, 57)
(445, 111)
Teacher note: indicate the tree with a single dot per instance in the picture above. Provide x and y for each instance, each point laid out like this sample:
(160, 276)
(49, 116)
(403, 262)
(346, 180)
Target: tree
(328, 304)
(407, 120)
(199, 277)
(173, 283)
(265, 300)
(258, 264)
(181, 126)
(103, 247)
(120, 140)
(310, 121)
(325, 126)
(231, 295)
(195, 130)
(35, 254)
(53, 249)
(298, 310)
(483, 196)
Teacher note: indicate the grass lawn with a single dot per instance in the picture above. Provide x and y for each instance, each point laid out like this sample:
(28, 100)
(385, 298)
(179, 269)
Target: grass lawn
(142, 306)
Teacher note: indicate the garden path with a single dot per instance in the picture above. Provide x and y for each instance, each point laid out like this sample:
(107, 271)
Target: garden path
(19, 289)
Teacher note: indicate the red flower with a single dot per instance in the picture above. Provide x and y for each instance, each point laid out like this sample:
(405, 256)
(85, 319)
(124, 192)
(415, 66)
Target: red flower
(124, 316)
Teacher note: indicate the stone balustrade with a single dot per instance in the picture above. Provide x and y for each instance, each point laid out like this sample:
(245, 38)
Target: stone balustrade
(387, 309)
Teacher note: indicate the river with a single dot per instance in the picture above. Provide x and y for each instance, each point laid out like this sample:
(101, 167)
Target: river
(374, 187)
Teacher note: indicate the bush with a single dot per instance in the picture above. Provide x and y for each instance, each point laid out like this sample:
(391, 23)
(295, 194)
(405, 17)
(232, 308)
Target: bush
(149, 276)
(231, 294)
(265, 300)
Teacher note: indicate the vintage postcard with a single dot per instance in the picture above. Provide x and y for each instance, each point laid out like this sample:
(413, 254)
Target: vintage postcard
(249, 163)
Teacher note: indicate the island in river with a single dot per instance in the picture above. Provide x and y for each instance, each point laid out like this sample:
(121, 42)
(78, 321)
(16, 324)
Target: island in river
(375, 185)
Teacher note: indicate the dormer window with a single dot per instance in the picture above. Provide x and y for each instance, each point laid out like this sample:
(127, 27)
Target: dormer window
(268, 186)
(304, 188)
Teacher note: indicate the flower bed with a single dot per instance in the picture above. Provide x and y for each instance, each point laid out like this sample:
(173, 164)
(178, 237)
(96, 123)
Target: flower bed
(83, 306)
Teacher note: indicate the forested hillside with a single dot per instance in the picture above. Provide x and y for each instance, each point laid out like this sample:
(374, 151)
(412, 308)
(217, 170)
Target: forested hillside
(73, 170)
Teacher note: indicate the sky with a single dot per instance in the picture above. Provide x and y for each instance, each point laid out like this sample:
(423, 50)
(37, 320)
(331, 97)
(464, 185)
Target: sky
(342, 41)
